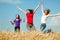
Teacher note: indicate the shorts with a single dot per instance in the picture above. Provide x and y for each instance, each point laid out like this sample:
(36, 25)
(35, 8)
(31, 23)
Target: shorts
(30, 27)
(43, 26)
(17, 28)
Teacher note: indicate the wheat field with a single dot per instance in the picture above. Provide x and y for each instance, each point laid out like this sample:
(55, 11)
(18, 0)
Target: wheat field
(29, 35)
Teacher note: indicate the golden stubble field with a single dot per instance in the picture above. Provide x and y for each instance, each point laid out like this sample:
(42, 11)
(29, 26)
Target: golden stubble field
(33, 35)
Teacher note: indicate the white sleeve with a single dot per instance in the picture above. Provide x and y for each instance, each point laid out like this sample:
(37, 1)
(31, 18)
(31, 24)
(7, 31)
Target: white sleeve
(54, 15)
(37, 7)
(42, 9)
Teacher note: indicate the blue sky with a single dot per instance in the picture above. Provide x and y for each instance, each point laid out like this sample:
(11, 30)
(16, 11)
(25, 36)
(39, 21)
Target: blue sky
(8, 10)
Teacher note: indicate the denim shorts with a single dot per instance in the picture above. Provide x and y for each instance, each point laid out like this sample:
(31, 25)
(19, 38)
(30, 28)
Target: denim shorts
(43, 26)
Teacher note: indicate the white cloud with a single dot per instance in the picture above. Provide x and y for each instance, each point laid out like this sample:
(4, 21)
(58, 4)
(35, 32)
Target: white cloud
(11, 1)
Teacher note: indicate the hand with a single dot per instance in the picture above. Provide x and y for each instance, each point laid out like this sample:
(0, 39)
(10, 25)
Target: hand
(10, 20)
(17, 6)
(23, 20)
(40, 3)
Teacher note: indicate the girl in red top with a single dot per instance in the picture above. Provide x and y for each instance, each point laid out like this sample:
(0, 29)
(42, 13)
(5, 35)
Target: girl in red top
(29, 15)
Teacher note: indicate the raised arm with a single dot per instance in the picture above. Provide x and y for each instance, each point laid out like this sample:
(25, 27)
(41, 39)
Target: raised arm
(21, 9)
(23, 19)
(37, 7)
(54, 15)
(42, 8)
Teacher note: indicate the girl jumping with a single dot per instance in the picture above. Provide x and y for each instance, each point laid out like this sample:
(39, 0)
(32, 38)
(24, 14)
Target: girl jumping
(16, 22)
(45, 15)
(29, 15)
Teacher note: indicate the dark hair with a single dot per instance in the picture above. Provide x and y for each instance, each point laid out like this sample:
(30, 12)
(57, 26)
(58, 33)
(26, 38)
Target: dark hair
(31, 10)
(18, 16)
(48, 11)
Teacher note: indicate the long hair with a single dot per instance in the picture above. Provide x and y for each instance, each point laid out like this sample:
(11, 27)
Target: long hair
(18, 16)
(31, 10)
(48, 11)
